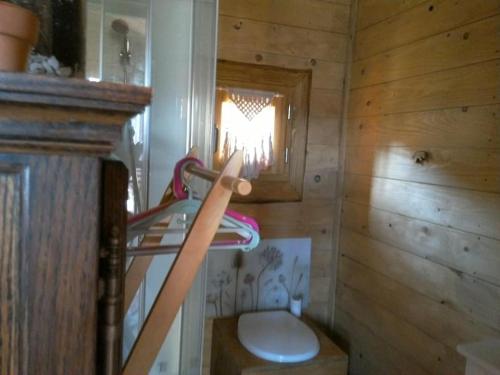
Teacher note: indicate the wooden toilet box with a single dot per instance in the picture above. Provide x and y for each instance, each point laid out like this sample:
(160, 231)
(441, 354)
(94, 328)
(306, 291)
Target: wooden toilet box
(229, 357)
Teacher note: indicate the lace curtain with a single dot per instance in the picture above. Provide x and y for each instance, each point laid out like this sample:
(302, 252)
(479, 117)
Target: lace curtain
(247, 123)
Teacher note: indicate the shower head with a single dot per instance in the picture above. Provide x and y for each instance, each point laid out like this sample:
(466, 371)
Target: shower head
(120, 26)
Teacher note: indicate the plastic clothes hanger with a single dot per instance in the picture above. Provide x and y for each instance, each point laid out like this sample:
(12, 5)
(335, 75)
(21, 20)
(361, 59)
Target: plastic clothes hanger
(181, 190)
(245, 227)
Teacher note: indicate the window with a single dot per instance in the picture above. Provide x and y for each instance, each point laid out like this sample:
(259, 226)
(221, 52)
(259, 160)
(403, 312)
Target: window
(250, 120)
(263, 111)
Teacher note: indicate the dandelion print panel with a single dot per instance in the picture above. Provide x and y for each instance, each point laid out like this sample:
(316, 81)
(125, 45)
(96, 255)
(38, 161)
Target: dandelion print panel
(263, 279)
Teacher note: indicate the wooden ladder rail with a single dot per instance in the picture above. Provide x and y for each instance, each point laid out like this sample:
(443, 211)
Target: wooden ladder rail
(183, 271)
(139, 265)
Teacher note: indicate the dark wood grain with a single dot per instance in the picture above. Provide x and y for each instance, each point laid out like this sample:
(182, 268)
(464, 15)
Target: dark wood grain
(112, 267)
(12, 225)
(58, 263)
(52, 135)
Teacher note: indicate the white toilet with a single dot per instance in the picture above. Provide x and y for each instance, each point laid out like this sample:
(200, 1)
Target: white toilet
(277, 336)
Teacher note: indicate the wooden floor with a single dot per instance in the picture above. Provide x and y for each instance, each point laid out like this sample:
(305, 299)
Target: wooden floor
(419, 270)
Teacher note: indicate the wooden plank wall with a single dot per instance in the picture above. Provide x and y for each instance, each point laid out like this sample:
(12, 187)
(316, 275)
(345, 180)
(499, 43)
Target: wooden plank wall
(419, 270)
(299, 34)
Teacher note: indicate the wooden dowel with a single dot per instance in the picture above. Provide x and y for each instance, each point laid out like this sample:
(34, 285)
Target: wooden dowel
(163, 231)
(235, 184)
(153, 250)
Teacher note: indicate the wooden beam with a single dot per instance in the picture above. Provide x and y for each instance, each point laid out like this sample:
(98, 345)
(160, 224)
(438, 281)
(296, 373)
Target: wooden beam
(302, 14)
(182, 273)
(469, 44)
(467, 210)
(472, 85)
(471, 168)
(462, 251)
(446, 285)
(473, 127)
(281, 39)
(371, 12)
(412, 343)
(406, 27)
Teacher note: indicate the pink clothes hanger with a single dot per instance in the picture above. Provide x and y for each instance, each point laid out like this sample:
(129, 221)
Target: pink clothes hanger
(233, 222)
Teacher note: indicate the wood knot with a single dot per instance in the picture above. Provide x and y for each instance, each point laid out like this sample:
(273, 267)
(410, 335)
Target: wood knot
(420, 157)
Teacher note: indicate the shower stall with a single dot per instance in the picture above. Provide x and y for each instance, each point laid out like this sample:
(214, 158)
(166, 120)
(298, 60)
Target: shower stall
(169, 45)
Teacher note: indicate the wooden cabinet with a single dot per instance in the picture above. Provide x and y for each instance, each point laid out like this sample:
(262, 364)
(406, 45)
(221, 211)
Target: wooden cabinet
(55, 219)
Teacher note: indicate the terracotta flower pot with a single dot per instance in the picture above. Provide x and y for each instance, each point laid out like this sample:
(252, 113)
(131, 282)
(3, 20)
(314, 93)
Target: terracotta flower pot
(18, 34)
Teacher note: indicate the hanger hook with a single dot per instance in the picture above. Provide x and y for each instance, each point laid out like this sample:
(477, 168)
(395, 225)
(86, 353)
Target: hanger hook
(187, 181)
(179, 181)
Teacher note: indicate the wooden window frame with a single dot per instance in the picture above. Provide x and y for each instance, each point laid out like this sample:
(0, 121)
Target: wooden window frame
(285, 183)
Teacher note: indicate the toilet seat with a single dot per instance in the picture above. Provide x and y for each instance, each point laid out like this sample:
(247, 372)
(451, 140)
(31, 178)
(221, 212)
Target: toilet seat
(277, 336)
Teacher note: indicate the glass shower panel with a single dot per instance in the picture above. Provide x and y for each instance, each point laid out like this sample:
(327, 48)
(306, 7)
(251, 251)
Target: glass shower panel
(125, 27)
(169, 45)
(125, 37)
(117, 50)
(93, 39)
(203, 62)
(171, 33)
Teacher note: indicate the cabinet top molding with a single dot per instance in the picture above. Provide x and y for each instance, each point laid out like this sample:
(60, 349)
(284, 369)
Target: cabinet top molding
(48, 114)
(72, 92)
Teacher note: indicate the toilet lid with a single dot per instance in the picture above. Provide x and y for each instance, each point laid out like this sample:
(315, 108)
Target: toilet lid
(277, 336)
